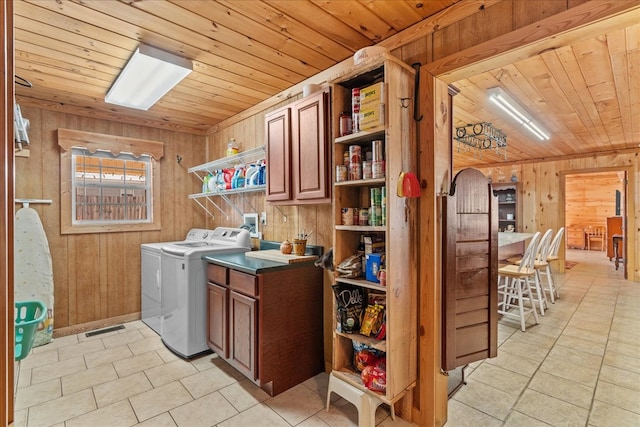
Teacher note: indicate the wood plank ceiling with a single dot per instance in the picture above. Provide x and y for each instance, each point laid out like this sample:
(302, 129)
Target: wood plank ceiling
(245, 52)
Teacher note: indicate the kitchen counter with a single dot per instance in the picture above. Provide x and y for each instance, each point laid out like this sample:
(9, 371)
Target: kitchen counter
(511, 244)
(240, 262)
(508, 238)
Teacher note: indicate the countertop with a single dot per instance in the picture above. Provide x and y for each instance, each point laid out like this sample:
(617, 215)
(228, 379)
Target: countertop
(509, 238)
(240, 262)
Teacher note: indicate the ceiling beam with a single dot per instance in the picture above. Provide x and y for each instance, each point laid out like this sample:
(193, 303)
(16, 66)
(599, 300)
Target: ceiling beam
(577, 23)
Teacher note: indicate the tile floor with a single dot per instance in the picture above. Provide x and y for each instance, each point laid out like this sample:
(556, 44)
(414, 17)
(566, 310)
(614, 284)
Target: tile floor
(579, 367)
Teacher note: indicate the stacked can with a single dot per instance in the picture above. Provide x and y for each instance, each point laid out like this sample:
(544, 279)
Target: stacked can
(355, 110)
(375, 211)
(355, 162)
(377, 158)
(383, 192)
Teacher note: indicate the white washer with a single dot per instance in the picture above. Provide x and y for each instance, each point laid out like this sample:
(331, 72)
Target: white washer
(183, 321)
(150, 275)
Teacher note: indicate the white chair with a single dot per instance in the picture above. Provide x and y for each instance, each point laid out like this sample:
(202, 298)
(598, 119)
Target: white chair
(514, 284)
(539, 264)
(553, 256)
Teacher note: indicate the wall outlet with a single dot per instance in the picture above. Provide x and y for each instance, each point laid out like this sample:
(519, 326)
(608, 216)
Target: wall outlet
(263, 218)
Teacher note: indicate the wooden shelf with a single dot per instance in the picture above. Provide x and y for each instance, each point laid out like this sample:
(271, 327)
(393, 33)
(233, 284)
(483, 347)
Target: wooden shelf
(364, 136)
(362, 228)
(361, 182)
(363, 283)
(371, 342)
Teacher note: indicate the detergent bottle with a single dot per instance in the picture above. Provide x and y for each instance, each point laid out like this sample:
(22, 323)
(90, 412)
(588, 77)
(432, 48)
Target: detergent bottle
(205, 183)
(262, 176)
(238, 177)
(251, 176)
(211, 182)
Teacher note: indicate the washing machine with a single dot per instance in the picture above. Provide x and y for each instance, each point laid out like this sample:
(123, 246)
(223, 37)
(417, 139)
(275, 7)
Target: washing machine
(150, 268)
(183, 301)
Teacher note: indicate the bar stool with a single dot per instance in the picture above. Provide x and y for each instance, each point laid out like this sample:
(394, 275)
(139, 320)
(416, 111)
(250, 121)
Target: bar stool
(516, 285)
(540, 263)
(554, 248)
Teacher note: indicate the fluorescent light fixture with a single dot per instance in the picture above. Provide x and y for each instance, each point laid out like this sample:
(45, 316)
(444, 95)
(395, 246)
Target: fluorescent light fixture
(516, 112)
(147, 77)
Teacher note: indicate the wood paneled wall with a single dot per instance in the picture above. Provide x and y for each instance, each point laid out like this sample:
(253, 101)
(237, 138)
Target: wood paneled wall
(283, 222)
(97, 276)
(544, 195)
(591, 198)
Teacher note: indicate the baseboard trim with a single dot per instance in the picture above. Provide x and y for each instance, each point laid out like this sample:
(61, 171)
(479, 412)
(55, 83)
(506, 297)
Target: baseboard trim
(96, 324)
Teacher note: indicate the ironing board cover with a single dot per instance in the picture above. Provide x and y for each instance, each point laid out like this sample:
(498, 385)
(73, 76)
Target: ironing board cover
(33, 268)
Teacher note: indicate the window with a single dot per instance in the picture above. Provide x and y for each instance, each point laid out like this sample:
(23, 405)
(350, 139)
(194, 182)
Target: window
(110, 189)
(108, 183)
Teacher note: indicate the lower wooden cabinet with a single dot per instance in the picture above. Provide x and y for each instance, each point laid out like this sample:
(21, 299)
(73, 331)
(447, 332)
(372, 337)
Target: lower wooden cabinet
(242, 329)
(269, 325)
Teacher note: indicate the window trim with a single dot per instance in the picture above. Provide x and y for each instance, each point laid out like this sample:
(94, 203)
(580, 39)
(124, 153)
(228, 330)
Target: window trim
(67, 139)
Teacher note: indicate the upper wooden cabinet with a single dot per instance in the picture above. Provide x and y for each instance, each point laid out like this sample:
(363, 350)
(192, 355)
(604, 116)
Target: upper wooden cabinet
(297, 148)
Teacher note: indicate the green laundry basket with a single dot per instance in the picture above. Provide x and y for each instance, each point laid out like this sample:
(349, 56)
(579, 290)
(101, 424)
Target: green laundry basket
(29, 314)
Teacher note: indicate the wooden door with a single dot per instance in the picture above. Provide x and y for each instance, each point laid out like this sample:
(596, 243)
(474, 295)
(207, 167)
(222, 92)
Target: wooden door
(311, 157)
(243, 330)
(218, 316)
(278, 154)
(470, 294)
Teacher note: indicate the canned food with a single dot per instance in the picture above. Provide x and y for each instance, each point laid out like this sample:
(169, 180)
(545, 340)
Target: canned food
(363, 219)
(341, 173)
(345, 124)
(355, 154)
(347, 216)
(355, 171)
(377, 151)
(345, 158)
(377, 169)
(366, 170)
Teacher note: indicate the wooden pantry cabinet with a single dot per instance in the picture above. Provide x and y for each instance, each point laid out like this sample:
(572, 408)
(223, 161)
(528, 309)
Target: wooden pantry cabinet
(268, 325)
(400, 293)
(298, 155)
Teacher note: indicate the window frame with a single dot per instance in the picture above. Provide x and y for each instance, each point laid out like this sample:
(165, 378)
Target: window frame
(67, 140)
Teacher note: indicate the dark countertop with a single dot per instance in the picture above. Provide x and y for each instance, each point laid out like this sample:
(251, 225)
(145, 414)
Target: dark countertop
(240, 262)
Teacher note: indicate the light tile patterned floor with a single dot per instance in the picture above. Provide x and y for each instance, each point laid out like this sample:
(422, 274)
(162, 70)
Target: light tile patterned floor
(579, 367)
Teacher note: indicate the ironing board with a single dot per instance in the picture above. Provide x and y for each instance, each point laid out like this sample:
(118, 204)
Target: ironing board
(33, 268)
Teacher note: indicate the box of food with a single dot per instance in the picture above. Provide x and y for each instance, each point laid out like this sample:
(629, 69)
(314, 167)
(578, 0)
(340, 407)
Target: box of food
(374, 262)
(373, 244)
(372, 95)
(371, 116)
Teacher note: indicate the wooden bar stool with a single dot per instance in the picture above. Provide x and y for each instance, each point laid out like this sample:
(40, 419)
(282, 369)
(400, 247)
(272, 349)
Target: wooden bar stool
(514, 285)
(554, 249)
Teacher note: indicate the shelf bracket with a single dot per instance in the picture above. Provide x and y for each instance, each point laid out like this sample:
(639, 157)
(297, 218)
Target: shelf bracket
(284, 216)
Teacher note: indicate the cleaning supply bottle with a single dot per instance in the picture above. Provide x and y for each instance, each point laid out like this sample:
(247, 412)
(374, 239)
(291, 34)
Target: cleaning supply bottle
(251, 176)
(205, 183)
(211, 183)
(238, 177)
(232, 147)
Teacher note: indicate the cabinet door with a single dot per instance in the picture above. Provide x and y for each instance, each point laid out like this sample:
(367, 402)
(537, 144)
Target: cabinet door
(278, 153)
(243, 330)
(310, 148)
(217, 305)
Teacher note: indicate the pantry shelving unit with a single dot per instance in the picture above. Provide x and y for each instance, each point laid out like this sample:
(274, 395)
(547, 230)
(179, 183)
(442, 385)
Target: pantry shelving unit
(400, 292)
(201, 171)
